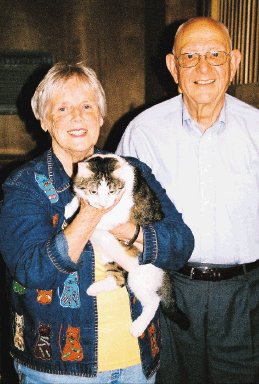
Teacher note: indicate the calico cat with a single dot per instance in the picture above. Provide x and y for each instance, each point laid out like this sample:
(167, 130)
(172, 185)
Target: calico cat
(100, 180)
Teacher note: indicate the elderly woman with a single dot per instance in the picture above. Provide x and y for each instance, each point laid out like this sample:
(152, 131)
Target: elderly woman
(58, 336)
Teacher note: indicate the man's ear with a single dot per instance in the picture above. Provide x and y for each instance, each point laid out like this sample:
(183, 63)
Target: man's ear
(171, 66)
(235, 58)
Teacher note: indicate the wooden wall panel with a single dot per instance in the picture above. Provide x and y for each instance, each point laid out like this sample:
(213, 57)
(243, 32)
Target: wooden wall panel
(107, 35)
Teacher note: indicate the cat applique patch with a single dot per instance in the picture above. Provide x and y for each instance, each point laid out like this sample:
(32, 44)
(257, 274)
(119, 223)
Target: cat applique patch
(46, 185)
(70, 296)
(18, 336)
(44, 296)
(55, 220)
(43, 349)
(152, 333)
(18, 288)
(72, 350)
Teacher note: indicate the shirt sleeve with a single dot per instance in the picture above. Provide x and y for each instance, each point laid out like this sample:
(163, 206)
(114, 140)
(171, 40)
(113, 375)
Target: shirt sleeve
(135, 143)
(32, 248)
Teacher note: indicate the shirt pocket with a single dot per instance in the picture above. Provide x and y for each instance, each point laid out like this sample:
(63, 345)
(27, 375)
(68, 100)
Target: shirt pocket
(240, 192)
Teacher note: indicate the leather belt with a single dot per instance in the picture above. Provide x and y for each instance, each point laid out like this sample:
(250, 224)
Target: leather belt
(208, 273)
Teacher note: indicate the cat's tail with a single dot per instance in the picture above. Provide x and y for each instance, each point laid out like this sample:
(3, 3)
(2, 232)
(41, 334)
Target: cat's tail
(169, 305)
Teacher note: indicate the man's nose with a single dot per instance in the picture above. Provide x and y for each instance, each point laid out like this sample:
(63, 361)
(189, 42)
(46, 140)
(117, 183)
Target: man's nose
(203, 63)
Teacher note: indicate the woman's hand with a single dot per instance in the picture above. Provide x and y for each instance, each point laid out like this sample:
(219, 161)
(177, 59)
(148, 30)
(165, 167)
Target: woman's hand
(125, 232)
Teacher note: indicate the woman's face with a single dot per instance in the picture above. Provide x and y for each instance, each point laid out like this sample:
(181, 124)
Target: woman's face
(73, 121)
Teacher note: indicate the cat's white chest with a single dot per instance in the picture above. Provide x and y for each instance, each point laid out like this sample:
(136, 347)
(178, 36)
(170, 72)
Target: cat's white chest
(118, 215)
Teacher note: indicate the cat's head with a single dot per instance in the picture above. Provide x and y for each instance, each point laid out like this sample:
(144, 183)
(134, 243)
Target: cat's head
(102, 178)
(19, 319)
(44, 329)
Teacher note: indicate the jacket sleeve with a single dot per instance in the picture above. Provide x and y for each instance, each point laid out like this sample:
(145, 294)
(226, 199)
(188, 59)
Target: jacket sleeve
(34, 250)
(169, 243)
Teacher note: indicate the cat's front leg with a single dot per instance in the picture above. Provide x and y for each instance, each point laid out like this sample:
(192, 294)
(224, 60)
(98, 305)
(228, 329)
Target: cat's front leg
(105, 285)
(71, 207)
(111, 249)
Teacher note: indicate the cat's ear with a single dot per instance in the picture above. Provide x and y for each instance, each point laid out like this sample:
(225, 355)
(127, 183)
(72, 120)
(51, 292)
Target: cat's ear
(124, 170)
(83, 169)
(118, 167)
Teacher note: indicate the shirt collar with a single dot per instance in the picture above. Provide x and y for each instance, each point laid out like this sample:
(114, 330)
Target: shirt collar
(190, 124)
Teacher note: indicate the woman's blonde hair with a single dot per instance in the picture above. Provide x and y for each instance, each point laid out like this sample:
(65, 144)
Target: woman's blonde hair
(54, 80)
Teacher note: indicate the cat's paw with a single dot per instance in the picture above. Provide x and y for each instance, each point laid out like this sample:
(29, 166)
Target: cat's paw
(105, 285)
(92, 290)
(137, 328)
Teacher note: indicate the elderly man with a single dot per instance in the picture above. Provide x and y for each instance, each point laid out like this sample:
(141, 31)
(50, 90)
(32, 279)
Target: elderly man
(203, 147)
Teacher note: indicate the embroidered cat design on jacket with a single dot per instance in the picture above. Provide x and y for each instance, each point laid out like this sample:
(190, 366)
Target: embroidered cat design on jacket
(44, 296)
(100, 180)
(18, 288)
(18, 337)
(70, 296)
(43, 348)
(72, 350)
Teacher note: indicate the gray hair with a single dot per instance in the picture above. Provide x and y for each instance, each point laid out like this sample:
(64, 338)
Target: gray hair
(55, 78)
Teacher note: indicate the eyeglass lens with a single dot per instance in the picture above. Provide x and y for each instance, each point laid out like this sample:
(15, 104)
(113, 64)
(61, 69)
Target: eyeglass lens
(192, 59)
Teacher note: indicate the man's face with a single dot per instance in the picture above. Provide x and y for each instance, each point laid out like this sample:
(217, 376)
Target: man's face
(204, 83)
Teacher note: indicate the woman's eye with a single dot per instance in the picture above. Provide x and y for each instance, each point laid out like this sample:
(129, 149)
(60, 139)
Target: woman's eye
(86, 106)
(62, 109)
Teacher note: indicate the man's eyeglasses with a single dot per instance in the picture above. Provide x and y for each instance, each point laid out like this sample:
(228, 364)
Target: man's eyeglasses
(188, 60)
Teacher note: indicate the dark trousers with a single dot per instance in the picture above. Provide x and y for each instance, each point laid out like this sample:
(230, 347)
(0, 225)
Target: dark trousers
(222, 343)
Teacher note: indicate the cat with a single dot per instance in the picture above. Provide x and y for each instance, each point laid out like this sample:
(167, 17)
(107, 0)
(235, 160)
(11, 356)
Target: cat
(43, 349)
(70, 296)
(100, 180)
(18, 337)
(44, 296)
(72, 350)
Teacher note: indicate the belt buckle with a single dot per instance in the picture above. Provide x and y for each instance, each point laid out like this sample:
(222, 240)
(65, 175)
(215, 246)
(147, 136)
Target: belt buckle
(191, 273)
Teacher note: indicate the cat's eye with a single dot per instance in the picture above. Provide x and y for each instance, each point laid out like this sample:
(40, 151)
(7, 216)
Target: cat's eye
(93, 191)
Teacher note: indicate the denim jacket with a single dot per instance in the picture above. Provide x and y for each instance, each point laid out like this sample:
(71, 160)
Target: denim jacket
(50, 306)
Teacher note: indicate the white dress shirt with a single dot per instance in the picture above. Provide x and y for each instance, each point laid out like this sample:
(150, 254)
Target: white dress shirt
(212, 178)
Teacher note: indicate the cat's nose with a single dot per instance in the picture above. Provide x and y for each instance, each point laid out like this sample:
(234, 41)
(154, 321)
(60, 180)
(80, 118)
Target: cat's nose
(103, 205)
